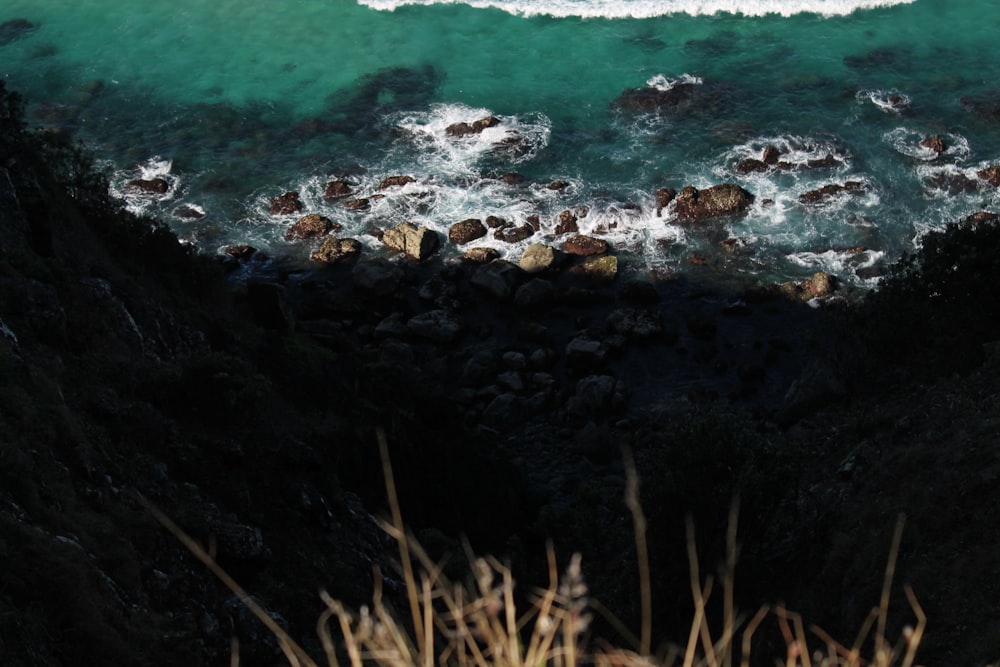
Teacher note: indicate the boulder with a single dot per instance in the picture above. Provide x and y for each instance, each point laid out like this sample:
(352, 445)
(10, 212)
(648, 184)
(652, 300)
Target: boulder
(337, 190)
(241, 251)
(15, 29)
(395, 182)
(558, 185)
(416, 242)
(537, 257)
(286, 204)
(601, 268)
(991, 175)
(361, 204)
(567, 223)
(819, 195)
(536, 292)
(499, 279)
(151, 186)
(334, 250)
(463, 129)
(726, 199)
(513, 178)
(513, 234)
(663, 198)
(465, 231)
(584, 246)
(821, 284)
(935, 143)
(952, 183)
(481, 255)
(378, 276)
(750, 165)
(441, 326)
(635, 323)
(981, 218)
(495, 222)
(310, 226)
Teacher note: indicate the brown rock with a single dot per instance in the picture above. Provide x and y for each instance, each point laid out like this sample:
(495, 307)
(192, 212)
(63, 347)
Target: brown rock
(820, 195)
(240, 251)
(558, 185)
(771, 155)
(418, 243)
(584, 246)
(362, 204)
(514, 234)
(567, 223)
(286, 204)
(935, 143)
(310, 226)
(513, 178)
(495, 222)
(719, 200)
(663, 198)
(465, 231)
(750, 165)
(981, 218)
(334, 250)
(395, 182)
(991, 175)
(152, 186)
(481, 255)
(464, 129)
(337, 190)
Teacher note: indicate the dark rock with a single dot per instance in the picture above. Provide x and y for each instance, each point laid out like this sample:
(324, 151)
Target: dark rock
(441, 326)
(534, 293)
(991, 175)
(378, 276)
(269, 306)
(750, 165)
(513, 178)
(15, 29)
(337, 190)
(241, 251)
(465, 231)
(361, 204)
(310, 226)
(286, 204)
(981, 218)
(771, 155)
(463, 129)
(395, 182)
(499, 279)
(152, 186)
(820, 195)
(558, 185)
(567, 223)
(649, 99)
(188, 212)
(952, 183)
(824, 162)
(495, 222)
(481, 255)
(635, 323)
(585, 246)
(663, 198)
(719, 200)
(419, 243)
(935, 143)
(334, 250)
(514, 234)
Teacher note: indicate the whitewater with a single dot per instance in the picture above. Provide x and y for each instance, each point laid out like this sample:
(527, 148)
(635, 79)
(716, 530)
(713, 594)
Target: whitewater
(233, 103)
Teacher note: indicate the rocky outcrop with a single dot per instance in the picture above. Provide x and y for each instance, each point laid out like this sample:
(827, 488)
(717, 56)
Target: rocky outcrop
(726, 199)
(415, 242)
(481, 255)
(567, 223)
(821, 284)
(498, 279)
(151, 186)
(338, 189)
(935, 143)
(311, 226)
(378, 276)
(585, 246)
(514, 234)
(649, 99)
(464, 129)
(333, 250)
(465, 231)
(286, 204)
(663, 198)
(395, 182)
(990, 174)
(820, 195)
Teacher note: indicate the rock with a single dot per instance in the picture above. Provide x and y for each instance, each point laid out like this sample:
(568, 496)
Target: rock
(310, 226)
(663, 198)
(821, 163)
(558, 185)
(463, 129)
(719, 200)
(952, 183)
(480, 367)
(514, 234)
(416, 242)
(241, 251)
(378, 276)
(441, 326)
(771, 155)
(750, 165)
(513, 178)
(15, 29)
(635, 323)
(649, 99)
(534, 293)
(361, 204)
(820, 195)
(503, 411)
(286, 204)
(334, 250)
(152, 186)
(821, 284)
(935, 143)
(537, 257)
(395, 182)
(465, 231)
(981, 218)
(499, 279)
(188, 212)
(481, 255)
(595, 394)
(337, 190)
(600, 269)
(991, 175)
(583, 351)
(584, 246)
(567, 223)
(495, 222)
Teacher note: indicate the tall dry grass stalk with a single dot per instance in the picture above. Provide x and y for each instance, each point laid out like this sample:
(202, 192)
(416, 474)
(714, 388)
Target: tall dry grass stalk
(478, 624)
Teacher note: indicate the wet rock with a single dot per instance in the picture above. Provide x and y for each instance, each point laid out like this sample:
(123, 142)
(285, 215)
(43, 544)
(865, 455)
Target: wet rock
(465, 231)
(771, 155)
(824, 162)
(537, 257)
(558, 185)
(310, 226)
(750, 165)
(395, 182)
(514, 234)
(598, 269)
(286, 204)
(495, 222)
(990, 174)
(596, 394)
(419, 243)
(952, 183)
(819, 195)
(464, 129)
(513, 178)
(726, 199)
(188, 212)
(663, 198)
(935, 143)
(335, 250)
(15, 29)
(440, 326)
(649, 99)
(567, 223)
(241, 251)
(337, 190)
(378, 276)
(584, 246)
(481, 255)
(361, 204)
(981, 218)
(821, 284)
(152, 186)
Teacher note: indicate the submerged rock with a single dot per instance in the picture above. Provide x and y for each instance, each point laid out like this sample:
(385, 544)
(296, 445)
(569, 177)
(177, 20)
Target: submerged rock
(463, 129)
(15, 29)
(585, 246)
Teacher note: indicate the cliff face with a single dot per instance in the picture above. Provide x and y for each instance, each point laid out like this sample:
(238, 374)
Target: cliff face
(129, 366)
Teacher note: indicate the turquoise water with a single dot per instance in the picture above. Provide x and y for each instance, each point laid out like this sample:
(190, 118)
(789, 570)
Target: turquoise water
(234, 102)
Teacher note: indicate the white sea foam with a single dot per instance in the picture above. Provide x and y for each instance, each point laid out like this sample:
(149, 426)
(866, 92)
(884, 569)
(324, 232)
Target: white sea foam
(664, 83)
(890, 101)
(141, 203)
(908, 142)
(650, 8)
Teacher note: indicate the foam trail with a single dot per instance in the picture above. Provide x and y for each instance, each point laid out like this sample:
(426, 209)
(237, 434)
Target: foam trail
(615, 9)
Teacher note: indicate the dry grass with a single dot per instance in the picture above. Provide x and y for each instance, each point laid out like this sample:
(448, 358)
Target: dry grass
(479, 625)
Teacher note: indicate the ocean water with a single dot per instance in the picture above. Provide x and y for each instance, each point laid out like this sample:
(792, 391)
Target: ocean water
(235, 102)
